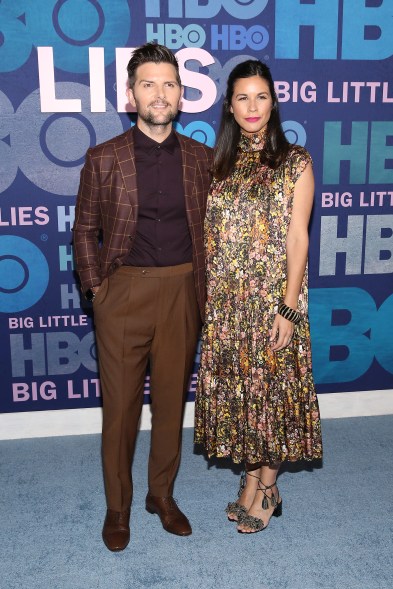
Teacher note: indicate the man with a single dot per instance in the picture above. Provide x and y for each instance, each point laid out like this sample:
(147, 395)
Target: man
(144, 194)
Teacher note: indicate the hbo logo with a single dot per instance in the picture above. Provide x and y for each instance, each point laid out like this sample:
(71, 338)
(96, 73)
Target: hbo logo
(52, 353)
(174, 36)
(244, 9)
(235, 37)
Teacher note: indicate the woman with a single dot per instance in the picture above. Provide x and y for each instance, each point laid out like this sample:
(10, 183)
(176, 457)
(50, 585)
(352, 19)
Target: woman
(255, 399)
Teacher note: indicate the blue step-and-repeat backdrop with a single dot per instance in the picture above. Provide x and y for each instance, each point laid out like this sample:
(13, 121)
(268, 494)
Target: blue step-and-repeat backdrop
(63, 80)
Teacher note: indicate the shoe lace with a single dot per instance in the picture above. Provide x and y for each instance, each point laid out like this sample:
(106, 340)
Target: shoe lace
(266, 498)
(243, 481)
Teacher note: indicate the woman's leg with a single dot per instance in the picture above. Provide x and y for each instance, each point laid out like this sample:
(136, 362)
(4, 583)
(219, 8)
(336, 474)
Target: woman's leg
(266, 489)
(247, 495)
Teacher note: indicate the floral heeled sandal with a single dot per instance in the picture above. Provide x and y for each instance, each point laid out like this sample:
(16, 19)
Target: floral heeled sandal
(255, 523)
(235, 508)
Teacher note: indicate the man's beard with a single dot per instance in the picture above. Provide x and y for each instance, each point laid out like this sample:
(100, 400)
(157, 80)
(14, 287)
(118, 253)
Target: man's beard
(156, 119)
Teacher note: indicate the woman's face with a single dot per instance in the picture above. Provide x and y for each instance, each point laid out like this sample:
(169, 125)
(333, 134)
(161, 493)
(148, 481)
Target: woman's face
(251, 104)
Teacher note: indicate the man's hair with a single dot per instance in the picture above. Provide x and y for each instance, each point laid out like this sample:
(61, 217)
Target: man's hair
(150, 53)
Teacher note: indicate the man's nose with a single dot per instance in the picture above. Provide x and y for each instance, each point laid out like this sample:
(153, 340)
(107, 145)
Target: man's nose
(161, 91)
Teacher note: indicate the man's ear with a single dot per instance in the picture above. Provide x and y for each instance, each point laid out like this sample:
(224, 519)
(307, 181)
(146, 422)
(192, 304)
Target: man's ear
(130, 96)
(181, 94)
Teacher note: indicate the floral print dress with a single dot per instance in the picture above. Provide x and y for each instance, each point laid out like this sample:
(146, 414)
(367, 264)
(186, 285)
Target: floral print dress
(253, 404)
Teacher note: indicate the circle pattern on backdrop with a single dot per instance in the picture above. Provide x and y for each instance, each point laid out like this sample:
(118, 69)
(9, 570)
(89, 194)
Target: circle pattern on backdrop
(50, 148)
(24, 276)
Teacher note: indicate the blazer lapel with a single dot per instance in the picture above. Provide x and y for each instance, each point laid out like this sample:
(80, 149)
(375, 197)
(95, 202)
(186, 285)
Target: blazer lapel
(189, 174)
(126, 159)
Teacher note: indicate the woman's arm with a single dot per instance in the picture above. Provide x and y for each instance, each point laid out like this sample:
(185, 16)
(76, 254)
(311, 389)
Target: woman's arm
(297, 251)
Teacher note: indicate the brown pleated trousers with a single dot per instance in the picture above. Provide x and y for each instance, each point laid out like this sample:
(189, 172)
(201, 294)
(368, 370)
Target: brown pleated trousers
(144, 315)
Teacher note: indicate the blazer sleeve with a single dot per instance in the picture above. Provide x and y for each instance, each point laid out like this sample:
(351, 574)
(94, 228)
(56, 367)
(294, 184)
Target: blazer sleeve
(87, 225)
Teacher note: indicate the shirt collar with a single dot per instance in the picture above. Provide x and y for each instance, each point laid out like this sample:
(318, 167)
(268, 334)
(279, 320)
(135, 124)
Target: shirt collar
(148, 145)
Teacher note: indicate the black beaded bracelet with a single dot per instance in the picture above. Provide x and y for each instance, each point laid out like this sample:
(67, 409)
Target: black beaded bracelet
(288, 313)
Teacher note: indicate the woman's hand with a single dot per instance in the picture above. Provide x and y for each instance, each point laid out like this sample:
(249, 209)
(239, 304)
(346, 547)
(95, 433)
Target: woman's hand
(281, 333)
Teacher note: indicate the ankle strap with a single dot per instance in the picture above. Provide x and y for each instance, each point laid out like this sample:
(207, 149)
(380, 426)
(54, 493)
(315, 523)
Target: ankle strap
(247, 472)
(273, 499)
(266, 487)
(243, 481)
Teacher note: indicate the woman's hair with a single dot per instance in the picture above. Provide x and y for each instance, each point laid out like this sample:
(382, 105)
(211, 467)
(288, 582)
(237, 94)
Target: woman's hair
(276, 144)
(150, 53)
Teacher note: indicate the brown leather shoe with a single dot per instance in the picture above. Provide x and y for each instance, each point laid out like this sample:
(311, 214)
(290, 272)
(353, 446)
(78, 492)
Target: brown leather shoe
(116, 530)
(172, 519)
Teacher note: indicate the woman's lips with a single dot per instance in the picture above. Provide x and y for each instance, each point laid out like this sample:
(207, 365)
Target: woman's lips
(252, 119)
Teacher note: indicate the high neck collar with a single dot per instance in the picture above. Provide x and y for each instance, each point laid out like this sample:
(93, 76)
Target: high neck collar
(254, 142)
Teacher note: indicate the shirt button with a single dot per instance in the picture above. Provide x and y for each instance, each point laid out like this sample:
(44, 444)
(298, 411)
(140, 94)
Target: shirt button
(160, 192)
(159, 249)
(158, 220)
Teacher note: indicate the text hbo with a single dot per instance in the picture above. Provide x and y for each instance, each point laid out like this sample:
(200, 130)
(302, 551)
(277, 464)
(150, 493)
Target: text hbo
(60, 352)
(224, 37)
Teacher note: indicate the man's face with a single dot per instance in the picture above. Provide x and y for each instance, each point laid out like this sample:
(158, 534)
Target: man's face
(156, 94)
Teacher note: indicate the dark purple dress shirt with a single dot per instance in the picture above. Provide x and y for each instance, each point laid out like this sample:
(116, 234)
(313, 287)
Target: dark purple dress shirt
(162, 233)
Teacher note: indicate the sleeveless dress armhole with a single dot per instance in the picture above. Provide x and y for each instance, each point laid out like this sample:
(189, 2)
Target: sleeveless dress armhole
(298, 159)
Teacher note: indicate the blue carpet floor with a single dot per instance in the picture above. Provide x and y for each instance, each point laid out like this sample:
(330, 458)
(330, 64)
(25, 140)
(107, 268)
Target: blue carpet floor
(335, 532)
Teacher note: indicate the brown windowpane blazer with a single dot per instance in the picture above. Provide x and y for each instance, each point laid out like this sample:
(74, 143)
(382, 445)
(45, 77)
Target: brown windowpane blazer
(107, 205)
